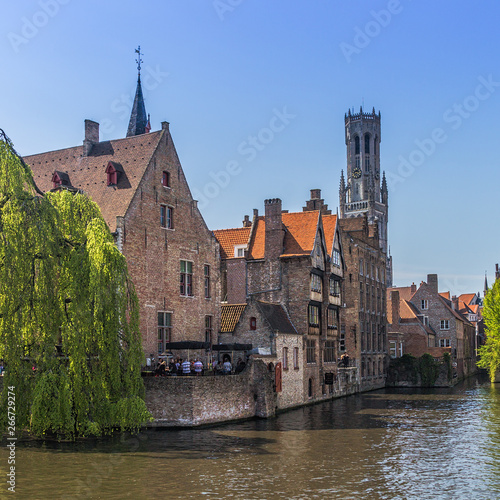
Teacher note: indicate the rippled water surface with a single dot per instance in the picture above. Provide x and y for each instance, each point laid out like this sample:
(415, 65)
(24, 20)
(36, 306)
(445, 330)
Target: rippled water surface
(389, 444)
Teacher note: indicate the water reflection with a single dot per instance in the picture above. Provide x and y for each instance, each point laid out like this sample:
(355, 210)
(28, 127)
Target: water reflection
(385, 445)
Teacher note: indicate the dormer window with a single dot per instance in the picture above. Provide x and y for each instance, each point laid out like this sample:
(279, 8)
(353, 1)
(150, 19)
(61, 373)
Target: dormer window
(165, 179)
(113, 171)
(60, 179)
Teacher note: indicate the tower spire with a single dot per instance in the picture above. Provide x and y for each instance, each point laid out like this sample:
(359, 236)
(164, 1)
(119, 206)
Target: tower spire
(138, 118)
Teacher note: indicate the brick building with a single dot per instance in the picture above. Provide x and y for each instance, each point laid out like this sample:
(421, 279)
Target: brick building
(140, 187)
(293, 260)
(422, 320)
(364, 212)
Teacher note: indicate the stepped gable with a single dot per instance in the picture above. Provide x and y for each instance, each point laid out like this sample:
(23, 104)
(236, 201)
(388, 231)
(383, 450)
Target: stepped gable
(88, 173)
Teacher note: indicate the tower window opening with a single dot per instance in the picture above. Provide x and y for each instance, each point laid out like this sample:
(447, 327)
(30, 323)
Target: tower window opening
(356, 145)
(367, 144)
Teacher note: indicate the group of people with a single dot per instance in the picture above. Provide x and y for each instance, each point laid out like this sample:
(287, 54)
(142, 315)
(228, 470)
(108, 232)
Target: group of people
(179, 367)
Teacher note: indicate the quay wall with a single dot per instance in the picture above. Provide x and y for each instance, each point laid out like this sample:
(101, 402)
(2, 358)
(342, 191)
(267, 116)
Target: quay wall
(193, 401)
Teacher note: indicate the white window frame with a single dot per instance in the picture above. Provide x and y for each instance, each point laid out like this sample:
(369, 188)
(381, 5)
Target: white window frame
(444, 324)
(239, 249)
(424, 304)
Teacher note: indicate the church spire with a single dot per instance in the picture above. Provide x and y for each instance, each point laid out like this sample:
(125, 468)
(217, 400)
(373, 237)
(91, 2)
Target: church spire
(138, 118)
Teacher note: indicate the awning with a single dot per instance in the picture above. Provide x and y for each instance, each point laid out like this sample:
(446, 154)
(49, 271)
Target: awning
(232, 347)
(187, 344)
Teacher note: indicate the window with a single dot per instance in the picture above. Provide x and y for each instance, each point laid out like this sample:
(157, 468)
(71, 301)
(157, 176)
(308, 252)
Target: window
(445, 324)
(329, 352)
(425, 320)
(313, 315)
(367, 144)
(358, 162)
(165, 179)
(208, 329)
(336, 258)
(444, 343)
(367, 164)
(285, 358)
(253, 323)
(164, 330)
(425, 304)
(356, 145)
(342, 339)
(239, 250)
(186, 280)
(334, 287)
(332, 319)
(296, 358)
(311, 351)
(315, 283)
(361, 265)
(206, 272)
(166, 217)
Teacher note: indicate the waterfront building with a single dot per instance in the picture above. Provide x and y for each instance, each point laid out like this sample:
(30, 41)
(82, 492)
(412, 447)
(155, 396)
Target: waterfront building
(139, 184)
(422, 320)
(363, 202)
(293, 264)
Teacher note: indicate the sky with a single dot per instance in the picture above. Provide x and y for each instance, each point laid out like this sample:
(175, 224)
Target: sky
(256, 91)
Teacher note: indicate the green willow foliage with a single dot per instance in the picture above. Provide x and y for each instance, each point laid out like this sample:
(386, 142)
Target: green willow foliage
(64, 283)
(490, 351)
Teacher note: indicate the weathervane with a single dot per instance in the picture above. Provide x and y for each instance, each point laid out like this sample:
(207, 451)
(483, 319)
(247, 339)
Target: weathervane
(138, 60)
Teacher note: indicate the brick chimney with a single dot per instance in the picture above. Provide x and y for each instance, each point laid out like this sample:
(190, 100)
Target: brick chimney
(432, 282)
(316, 203)
(395, 307)
(413, 288)
(246, 221)
(91, 136)
(274, 229)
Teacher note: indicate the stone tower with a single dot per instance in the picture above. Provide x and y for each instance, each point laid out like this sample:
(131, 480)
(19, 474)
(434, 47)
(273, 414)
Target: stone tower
(364, 192)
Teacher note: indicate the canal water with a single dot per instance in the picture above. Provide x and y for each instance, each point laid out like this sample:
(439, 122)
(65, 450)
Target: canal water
(387, 444)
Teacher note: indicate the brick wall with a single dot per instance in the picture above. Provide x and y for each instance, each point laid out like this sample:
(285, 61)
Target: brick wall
(153, 253)
(192, 401)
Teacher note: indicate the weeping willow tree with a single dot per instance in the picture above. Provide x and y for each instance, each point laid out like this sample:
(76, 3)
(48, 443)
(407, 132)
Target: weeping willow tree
(68, 312)
(490, 352)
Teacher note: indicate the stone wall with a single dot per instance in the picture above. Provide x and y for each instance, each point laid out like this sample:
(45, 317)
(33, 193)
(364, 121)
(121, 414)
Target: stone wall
(193, 401)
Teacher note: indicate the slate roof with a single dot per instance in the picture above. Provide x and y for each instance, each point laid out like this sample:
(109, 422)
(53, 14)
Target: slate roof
(276, 316)
(230, 315)
(138, 117)
(228, 238)
(88, 173)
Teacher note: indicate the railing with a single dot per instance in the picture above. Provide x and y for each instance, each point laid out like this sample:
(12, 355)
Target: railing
(356, 205)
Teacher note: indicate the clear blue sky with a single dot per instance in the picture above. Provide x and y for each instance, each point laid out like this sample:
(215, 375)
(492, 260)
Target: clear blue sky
(220, 71)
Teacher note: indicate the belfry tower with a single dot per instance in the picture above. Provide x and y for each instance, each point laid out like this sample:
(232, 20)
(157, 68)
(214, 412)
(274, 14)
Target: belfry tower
(365, 189)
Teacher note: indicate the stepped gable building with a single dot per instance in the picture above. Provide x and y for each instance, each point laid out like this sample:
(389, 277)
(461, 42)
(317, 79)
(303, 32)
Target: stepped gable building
(292, 261)
(141, 189)
(363, 201)
(422, 320)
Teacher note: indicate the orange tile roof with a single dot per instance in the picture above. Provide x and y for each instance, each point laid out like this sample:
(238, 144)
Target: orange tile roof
(445, 295)
(258, 244)
(405, 292)
(228, 238)
(230, 315)
(301, 232)
(467, 297)
(329, 226)
(88, 172)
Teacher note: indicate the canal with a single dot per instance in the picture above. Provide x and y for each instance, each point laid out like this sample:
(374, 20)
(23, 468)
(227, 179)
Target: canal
(387, 444)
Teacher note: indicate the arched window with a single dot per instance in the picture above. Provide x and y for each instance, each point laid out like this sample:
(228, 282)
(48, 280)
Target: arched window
(375, 145)
(356, 145)
(367, 144)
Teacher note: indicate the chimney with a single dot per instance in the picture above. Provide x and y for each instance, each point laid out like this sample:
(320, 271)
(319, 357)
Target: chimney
(274, 229)
(454, 303)
(165, 125)
(246, 221)
(316, 203)
(413, 288)
(91, 136)
(395, 307)
(432, 282)
(315, 194)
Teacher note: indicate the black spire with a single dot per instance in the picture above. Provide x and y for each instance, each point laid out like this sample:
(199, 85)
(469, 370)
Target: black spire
(138, 117)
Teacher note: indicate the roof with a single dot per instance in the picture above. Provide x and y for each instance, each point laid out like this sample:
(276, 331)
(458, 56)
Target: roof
(445, 295)
(276, 316)
(138, 118)
(88, 172)
(228, 238)
(300, 233)
(467, 298)
(405, 292)
(457, 315)
(230, 315)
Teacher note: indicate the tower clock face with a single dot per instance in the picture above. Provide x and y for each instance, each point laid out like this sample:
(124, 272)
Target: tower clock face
(356, 173)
